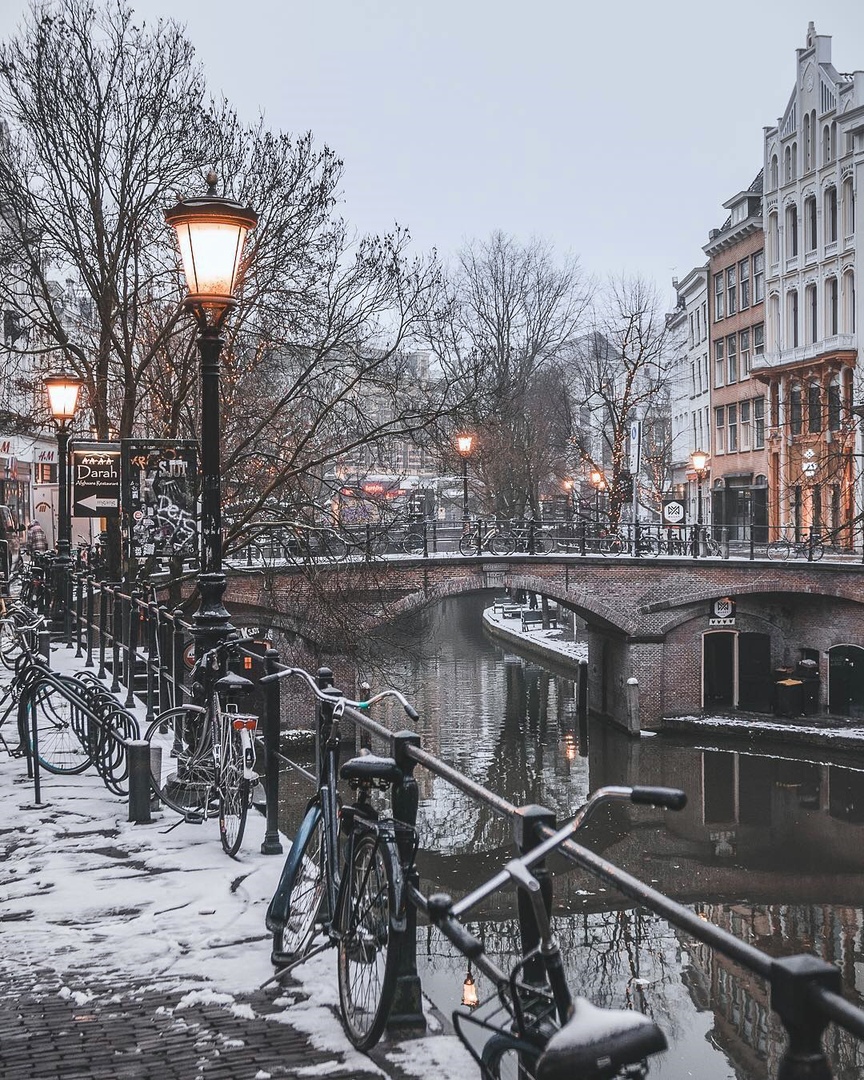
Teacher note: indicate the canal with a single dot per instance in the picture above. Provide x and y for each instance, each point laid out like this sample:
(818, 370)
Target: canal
(769, 846)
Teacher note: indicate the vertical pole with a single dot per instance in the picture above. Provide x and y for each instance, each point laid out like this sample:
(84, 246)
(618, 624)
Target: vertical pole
(407, 1009)
(138, 759)
(525, 835)
(791, 980)
(272, 724)
(152, 659)
(464, 491)
(116, 634)
(131, 651)
(103, 626)
(177, 664)
(89, 625)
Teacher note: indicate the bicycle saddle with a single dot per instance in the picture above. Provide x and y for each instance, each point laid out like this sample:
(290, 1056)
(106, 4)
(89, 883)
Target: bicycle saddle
(234, 684)
(371, 767)
(595, 1044)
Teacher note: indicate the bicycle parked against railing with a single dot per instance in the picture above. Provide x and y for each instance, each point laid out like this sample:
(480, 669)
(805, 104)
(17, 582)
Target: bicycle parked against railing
(345, 874)
(202, 757)
(810, 547)
(536, 1023)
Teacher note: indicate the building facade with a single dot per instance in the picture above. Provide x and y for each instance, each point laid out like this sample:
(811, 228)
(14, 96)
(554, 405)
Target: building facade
(814, 164)
(736, 286)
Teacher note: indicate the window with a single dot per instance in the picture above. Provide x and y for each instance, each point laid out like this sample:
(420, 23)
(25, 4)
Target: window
(834, 407)
(831, 309)
(810, 223)
(814, 408)
(831, 215)
(693, 378)
(690, 339)
(732, 428)
(774, 237)
(848, 208)
(795, 410)
(719, 430)
(704, 320)
(758, 277)
(744, 283)
(744, 349)
(792, 319)
(810, 312)
(849, 302)
(719, 368)
(745, 426)
(698, 336)
(731, 291)
(774, 174)
(791, 231)
(759, 339)
(732, 359)
(759, 423)
(826, 145)
(719, 298)
(787, 165)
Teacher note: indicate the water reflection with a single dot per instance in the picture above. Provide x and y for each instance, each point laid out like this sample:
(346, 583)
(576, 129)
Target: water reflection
(768, 846)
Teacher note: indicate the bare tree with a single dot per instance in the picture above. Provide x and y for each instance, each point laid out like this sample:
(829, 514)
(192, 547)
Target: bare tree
(509, 314)
(619, 373)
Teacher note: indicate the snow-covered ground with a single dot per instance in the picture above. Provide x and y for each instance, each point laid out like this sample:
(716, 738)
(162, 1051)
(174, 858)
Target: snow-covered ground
(82, 890)
(556, 640)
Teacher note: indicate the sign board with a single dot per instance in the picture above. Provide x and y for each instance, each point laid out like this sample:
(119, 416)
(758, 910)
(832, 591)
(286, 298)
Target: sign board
(635, 447)
(673, 513)
(722, 612)
(95, 479)
(159, 482)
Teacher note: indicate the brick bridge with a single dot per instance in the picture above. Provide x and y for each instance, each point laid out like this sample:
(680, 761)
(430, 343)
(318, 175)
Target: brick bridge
(651, 620)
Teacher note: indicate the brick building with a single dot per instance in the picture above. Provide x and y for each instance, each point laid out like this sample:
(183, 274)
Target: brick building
(736, 292)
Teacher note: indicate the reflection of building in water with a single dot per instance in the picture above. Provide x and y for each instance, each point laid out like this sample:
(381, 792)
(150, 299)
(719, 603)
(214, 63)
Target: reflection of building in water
(744, 1024)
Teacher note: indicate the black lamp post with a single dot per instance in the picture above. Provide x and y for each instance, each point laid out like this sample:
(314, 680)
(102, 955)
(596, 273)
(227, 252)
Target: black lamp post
(699, 462)
(598, 482)
(569, 486)
(465, 444)
(62, 390)
(211, 231)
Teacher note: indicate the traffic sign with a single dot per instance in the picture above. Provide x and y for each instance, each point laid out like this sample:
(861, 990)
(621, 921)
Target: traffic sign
(674, 513)
(95, 480)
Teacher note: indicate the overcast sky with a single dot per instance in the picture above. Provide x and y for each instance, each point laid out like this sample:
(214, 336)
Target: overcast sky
(615, 129)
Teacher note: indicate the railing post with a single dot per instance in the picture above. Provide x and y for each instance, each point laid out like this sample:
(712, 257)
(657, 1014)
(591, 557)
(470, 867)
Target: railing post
(152, 659)
(79, 613)
(131, 650)
(163, 629)
(583, 529)
(531, 541)
(636, 536)
(116, 631)
(138, 759)
(272, 726)
(752, 542)
(525, 834)
(178, 672)
(103, 627)
(791, 980)
(633, 727)
(89, 627)
(425, 541)
(407, 1009)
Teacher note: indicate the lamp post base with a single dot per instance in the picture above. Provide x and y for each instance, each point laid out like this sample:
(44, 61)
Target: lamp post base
(211, 623)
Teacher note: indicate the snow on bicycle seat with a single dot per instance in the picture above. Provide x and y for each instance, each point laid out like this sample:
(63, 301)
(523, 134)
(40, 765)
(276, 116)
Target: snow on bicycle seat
(595, 1044)
(230, 683)
(371, 767)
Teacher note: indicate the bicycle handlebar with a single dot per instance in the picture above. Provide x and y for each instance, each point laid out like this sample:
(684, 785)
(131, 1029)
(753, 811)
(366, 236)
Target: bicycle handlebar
(322, 695)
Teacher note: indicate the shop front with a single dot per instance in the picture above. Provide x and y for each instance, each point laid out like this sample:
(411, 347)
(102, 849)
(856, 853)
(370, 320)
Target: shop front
(739, 505)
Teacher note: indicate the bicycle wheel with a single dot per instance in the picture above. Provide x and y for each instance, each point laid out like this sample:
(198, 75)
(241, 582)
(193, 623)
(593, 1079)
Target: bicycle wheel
(181, 760)
(504, 1056)
(301, 891)
(778, 549)
(333, 547)
(234, 790)
(612, 544)
(467, 544)
(502, 543)
(9, 646)
(712, 548)
(61, 732)
(413, 542)
(817, 550)
(369, 947)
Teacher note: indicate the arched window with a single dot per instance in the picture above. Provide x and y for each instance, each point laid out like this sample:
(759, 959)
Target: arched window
(810, 223)
(792, 319)
(794, 160)
(834, 405)
(795, 419)
(787, 165)
(830, 225)
(791, 231)
(773, 238)
(810, 313)
(773, 323)
(814, 408)
(849, 302)
(806, 132)
(831, 309)
(848, 208)
(774, 174)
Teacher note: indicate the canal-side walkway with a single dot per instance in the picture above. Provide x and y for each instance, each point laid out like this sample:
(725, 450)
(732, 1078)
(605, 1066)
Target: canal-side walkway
(556, 646)
(139, 951)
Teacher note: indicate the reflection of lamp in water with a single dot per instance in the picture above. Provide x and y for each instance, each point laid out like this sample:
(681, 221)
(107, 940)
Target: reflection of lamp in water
(469, 991)
(570, 748)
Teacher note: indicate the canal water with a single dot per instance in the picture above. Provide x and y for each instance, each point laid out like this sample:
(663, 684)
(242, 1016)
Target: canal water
(769, 846)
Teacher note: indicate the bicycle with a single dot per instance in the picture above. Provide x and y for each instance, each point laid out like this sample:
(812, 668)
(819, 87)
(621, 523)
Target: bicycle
(615, 543)
(535, 1022)
(811, 549)
(345, 874)
(202, 757)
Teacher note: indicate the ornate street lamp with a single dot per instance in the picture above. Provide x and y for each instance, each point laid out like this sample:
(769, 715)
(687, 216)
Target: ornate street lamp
(569, 486)
(62, 390)
(211, 232)
(598, 482)
(465, 444)
(699, 463)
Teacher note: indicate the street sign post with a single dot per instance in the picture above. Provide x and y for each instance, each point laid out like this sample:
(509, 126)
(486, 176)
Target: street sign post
(95, 479)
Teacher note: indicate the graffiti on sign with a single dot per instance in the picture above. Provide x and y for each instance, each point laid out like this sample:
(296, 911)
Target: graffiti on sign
(159, 498)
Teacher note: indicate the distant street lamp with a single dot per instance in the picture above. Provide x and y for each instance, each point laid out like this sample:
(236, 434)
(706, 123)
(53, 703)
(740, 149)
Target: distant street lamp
(568, 485)
(699, 462)
(62, 390)
(465, 444)
(211, 231)
(598, 482)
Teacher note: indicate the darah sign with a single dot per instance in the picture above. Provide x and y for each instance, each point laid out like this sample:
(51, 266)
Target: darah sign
(160, 485)
(95, 479)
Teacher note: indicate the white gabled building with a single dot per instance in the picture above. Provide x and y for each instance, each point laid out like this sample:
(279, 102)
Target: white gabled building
(814, 170)
(689, 385)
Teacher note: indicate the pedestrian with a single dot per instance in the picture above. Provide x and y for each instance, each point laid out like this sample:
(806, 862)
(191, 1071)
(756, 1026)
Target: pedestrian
(36, 538)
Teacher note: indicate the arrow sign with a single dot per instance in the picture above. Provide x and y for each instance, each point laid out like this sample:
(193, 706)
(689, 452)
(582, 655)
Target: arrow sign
(93, 502)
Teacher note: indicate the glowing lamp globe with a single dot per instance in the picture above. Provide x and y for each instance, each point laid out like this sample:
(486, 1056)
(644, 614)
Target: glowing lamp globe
(63, 393)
